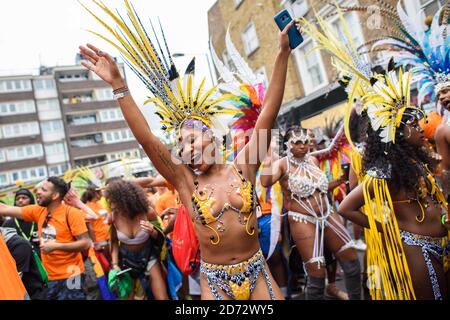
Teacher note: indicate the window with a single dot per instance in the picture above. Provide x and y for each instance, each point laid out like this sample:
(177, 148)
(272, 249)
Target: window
(87, 141)
(55, 148)
(29, 174)
(430, 7)
(311, 68)
(118, 136)
(82, 119)
(58, 170)
(90, 161)
(250, 39)
(24, 152)
(15, 85)
(111, 115)
(18, 107)
(51, 126)
(2, 156)
(20, 129)
(74, 77)
(354, 27)
(48, 105)
(125, 154)
(3, 179)
(103, 94)
(299, 7)
(44, 84)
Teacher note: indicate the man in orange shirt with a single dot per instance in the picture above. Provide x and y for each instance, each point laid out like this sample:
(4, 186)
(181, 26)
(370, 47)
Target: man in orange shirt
(11, 286)
(63, 236)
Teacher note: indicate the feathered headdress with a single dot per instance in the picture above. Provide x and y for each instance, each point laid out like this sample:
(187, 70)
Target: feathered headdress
(243, 89)
(385, 96)
(427, 51)
(175, 99)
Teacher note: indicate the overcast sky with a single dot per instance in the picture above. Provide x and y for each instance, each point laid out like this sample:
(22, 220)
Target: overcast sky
(48, 32)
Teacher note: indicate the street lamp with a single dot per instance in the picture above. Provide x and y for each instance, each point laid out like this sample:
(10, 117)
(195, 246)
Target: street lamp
(181, 54)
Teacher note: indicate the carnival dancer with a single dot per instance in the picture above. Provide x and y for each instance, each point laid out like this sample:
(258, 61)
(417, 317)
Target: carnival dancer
(220, 197)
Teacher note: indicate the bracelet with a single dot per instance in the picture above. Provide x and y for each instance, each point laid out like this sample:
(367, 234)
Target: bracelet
(121, 95)
(122, 89)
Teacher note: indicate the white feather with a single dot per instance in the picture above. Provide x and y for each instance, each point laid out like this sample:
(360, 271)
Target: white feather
(414, 28)
(243, 70)
(225, 74)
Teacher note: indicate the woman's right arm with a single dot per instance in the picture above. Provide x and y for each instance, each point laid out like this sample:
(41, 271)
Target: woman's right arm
(106, 68)
(350, 208)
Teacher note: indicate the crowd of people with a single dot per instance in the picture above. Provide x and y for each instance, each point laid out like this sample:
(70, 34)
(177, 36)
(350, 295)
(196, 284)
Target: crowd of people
(271, 219)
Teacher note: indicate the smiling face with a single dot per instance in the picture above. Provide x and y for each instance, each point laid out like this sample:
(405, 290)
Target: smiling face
(443, 98)
(198, 148)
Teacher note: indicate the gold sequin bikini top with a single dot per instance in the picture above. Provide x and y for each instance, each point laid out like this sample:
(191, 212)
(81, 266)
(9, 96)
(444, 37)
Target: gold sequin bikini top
(203, 204)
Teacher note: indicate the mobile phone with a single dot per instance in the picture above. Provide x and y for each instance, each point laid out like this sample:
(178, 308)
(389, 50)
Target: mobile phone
(282, 19)
(346, 170)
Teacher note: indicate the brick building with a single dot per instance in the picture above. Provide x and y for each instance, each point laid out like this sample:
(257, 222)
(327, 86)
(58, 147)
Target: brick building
(312, 94)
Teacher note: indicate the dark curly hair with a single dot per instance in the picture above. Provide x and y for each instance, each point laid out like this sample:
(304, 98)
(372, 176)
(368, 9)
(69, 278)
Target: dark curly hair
(407, 161)
(128, 198)
(90, 193)
(358, 126)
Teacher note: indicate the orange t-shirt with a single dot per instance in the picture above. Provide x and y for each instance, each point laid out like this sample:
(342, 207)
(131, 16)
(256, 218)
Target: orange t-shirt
(11, 286)
(101, 230)
(59, 264)
(167, 200)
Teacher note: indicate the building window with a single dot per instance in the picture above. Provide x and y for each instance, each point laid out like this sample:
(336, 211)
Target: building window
(90, 161)
(24, 152)
(29, 174)
(430, 7)
(103, 94)
(15, 85)
(87, 141)
(49, 105)
(18, 107)
(55, 148)
(82, 119)
(353, 25)
(58, 170)
(226, 58)
(311, 68)
(118, 136)
(74, 77)
(3, 179)
(44, 84)
(2, 156)
(51, 126)
(299, 7)
(250, 39)
(111, 115)
(20, 129)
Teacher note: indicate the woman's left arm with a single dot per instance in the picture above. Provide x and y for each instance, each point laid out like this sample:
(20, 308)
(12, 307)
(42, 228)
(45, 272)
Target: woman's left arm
(256, 149)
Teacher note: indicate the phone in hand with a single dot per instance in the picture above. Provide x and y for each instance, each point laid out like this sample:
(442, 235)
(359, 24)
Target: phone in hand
(282, 19)
(346, 170)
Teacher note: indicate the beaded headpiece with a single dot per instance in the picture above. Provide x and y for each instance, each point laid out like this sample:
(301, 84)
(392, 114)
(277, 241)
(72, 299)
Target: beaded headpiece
(176, 100)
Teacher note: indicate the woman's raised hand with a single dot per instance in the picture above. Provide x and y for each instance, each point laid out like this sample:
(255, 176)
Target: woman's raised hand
(103, 65)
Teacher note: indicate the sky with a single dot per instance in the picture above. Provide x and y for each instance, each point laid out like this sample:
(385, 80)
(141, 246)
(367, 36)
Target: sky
(48, 32)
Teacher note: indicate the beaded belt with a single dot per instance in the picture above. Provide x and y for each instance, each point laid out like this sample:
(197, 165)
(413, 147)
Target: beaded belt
(428, 245)
(236, 280)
